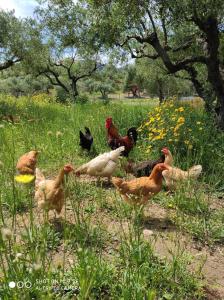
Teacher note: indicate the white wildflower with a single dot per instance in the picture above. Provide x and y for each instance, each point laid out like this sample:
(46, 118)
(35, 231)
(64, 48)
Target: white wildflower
(58, 134)
(36, 267)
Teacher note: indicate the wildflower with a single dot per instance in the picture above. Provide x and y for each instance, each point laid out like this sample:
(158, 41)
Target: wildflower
(170, 140)
(18, 256)
(180, 109)
(200, 128)
(186, 142)
(36, 267)
(151, 120)
(190, 147)
(181, 120)
(58, 134)
(148, 151)
(170, 205)
(198, 123)
(6, 233)
(24, 178)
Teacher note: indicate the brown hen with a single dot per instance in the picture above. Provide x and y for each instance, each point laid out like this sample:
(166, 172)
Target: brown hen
(50, 192)
(140, 190)
(27, 162)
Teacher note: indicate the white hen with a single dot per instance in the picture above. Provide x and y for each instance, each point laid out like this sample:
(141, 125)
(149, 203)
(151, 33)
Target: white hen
(103, 165)
(174, 175)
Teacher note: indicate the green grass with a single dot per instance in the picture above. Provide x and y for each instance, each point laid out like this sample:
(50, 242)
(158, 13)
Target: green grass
(80, 256)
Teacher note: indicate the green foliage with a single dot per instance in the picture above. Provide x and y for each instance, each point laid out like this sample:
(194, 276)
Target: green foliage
(82, 99)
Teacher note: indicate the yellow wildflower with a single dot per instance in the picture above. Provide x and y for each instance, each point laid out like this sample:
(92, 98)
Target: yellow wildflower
(181, 120)
(180, 109)
(186, 142)
(24, 178)
(190, 147)
(198, 123)
(200, 128)
(151, 120)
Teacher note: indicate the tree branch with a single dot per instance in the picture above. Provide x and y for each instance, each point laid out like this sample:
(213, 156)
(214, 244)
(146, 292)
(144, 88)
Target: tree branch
(9, 63)
(57, 81)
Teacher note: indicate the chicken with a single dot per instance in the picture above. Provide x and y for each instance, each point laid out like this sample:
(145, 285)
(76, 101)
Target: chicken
(103, 165)
(175, 175)
(86, 139)
(11, 119)
(143, 168)
(27, 163)
(49, 193)
(140, 190)
(115, 140)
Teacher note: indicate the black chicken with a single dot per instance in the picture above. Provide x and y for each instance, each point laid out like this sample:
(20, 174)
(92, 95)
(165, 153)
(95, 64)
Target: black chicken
(143, 168)
(86, 139)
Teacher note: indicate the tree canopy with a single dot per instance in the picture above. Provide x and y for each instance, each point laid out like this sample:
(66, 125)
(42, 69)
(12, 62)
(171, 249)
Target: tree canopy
(181, 40)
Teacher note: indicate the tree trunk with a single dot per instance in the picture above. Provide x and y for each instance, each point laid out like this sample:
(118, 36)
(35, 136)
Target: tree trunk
(160, 90)
(74, 90)
(103, 94)
(210, 28)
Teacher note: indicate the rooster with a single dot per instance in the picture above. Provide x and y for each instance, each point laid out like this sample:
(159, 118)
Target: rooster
(49, 192)
(174, 175)
(103, 165)
(115, 140)
(143, 168)
(86, 139)
(27, 162)
(140, 190)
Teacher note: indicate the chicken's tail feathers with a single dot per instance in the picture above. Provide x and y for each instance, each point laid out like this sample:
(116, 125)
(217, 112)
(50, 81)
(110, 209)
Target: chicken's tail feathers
(195, 171)
(81, 135)
(39, 176)
(133, 134)
(117, 181)
(87, 130)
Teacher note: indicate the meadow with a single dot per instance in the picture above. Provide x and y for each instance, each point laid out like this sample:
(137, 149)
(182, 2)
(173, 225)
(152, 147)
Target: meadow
(101, 247)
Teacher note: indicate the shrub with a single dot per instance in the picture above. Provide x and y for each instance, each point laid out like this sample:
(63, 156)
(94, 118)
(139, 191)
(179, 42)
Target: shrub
(82, 99)
(188, 131)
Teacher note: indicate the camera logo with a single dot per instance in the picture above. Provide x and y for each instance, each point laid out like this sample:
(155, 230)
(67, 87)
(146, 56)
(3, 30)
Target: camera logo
(20, 284)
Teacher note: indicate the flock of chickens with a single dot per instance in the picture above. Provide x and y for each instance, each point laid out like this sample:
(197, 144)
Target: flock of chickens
(49, 193)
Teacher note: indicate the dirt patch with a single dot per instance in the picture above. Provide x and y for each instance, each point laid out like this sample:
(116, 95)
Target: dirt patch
(168, 240)
(158, 228)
